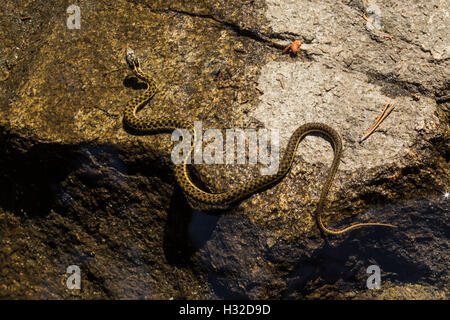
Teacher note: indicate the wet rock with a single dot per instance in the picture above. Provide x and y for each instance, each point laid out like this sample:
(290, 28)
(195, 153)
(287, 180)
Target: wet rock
(79, 189)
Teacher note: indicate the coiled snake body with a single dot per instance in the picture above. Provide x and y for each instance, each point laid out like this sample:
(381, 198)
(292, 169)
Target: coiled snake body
(237, 193)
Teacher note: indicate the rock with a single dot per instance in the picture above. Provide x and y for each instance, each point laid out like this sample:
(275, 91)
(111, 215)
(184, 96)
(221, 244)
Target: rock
(78, 189)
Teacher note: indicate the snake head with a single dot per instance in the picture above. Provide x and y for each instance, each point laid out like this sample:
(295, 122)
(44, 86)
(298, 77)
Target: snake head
(131, 59)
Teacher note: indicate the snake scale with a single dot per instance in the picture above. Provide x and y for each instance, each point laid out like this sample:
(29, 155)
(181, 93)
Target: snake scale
(240, 192)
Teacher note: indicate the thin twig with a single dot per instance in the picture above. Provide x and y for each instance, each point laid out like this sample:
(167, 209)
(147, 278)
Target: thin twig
(379, 116)
(383, 115)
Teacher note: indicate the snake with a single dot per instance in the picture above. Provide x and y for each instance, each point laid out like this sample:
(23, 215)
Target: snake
(238, 193)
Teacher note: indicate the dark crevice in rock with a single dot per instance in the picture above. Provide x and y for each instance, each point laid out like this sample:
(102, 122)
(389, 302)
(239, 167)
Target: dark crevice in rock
(443, 94)
(266, 38)
(443, 99)
(395, 87)
(249, 33)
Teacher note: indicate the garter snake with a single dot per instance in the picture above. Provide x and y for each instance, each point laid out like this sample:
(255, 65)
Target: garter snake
(240, 192)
